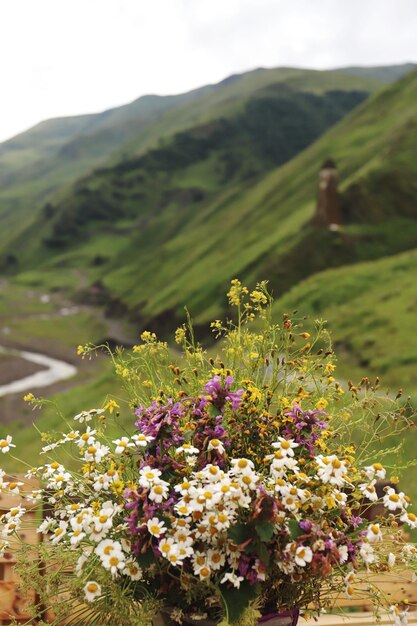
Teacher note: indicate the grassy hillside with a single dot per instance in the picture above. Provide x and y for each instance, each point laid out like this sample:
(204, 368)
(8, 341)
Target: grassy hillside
(42, 162)
(162, 251)
(370, 309)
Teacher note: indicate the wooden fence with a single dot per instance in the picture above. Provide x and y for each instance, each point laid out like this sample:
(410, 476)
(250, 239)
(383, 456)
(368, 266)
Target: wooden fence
(13, 605)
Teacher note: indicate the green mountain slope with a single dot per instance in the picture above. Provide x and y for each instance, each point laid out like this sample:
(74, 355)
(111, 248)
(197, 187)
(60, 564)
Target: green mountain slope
(370, 308)
(35, 165)
(182, 247)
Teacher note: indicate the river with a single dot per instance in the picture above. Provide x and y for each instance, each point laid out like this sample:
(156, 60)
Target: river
(55, 371)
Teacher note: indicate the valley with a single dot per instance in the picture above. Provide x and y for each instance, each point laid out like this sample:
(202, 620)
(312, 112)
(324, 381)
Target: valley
(112, 223)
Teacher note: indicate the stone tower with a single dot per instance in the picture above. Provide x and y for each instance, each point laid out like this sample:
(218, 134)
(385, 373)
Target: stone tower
(328, 211)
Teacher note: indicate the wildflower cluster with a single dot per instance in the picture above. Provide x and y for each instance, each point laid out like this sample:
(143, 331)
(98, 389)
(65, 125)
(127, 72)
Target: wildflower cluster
(239, 482)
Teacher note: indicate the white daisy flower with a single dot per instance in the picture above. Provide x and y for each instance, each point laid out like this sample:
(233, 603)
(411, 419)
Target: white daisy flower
(106, 547)
(399, 617)
(393, 500)
(166, 546)
(148, 475)
(72, 436)
(156, 527)
(14, 487)
(285, 446)
(123, 444)
(184, 550)
(249, 481)
(92, 590)
(242, 466)
(368, 554)
(375, 471)
(82, 560)
(15, 512)
(233, 578)
(59, 533)
(410, 519)
(114, 562)
(96, 452)
(213, 473)
(343, 554)
(51, 446)
(216, 444)
(215, 559)
(409, 551)
(6, 444)
(331, 470)
(158, 492)
(76, 537)
(369, 491)
(183, 509)
(87, 438)
(187, 448)
(132, 570)
(46, 525)
(374, 534)
(87, 416)
(142, 440)
(340, 497)
(303, 555)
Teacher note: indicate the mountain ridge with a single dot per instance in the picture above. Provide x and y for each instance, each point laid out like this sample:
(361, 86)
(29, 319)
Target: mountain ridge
(178, 253)
(37, 172)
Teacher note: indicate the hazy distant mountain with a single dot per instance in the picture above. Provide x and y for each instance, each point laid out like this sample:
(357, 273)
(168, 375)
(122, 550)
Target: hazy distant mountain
(384, 73)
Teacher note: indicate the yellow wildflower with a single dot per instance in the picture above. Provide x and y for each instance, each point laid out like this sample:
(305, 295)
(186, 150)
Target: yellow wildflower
(255, 394)
(258, 298)
(117, 486)
(110, 406)
(236, 292)
(148, 337)
(28, 397)
(321, 403)
(180, 335)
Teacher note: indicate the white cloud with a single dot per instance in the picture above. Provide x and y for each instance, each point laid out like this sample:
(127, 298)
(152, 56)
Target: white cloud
(63, 57)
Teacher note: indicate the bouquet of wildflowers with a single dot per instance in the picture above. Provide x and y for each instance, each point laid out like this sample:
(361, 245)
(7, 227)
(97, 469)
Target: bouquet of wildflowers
(242, 487)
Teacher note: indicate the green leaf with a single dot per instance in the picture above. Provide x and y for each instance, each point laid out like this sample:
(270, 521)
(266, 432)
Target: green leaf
(146, 559)
(295, 530)
(263, 554)
(237, 600)
(265, 530)
(213, 411)
(241, 533)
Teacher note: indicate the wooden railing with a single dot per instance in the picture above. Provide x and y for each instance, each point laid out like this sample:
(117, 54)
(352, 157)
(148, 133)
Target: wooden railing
(13, 605)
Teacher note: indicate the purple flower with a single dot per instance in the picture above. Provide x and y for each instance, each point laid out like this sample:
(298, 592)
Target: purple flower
(306, 525)
(305, 427)
(220, 395)
(156, 418)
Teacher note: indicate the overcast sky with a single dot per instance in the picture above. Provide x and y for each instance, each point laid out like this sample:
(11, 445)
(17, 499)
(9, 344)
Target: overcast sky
(65, 57)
